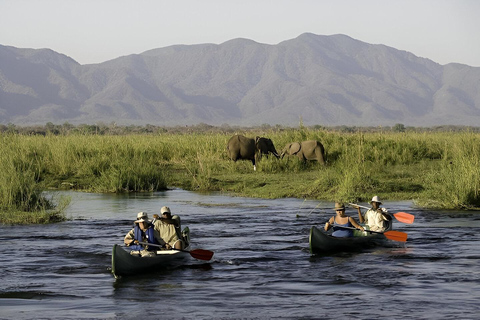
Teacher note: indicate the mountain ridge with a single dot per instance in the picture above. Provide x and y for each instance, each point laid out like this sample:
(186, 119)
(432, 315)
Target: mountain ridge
(324, 80)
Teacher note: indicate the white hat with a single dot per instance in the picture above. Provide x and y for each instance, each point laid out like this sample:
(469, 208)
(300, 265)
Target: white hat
(141, 217)
(376, 199)
(165, 210)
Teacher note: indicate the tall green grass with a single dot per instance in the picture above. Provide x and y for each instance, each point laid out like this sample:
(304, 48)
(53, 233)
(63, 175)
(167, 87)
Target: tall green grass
(20, 176)
(457, 176)
(435, 169)
(21, 192)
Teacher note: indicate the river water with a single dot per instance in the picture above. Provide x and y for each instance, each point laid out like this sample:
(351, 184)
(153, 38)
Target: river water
(262, 268)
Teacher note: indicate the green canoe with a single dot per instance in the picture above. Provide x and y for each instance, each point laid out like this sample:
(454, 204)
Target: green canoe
(322, 243)
(125, 264)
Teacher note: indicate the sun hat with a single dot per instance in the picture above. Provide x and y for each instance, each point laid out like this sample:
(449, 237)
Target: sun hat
(376, 199)
(165, 210)
(339, 206)
(141, 217)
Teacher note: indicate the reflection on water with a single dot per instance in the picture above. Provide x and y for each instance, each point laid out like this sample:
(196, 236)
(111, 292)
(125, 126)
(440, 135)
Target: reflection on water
(261, 269)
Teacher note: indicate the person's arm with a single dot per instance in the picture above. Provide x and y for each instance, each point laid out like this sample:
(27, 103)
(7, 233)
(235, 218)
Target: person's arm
(165, 220)
(360, 216)
(355, 224)
(129, 238)
(385, 214)
(170, 221)
(328, 224)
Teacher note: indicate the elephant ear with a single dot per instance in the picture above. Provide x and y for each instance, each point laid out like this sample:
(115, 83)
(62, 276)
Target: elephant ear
(295, 148)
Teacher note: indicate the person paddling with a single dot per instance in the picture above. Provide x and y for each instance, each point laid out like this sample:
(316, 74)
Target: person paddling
(169, 229)
(376, 218)
(143, 231)
(341, 220)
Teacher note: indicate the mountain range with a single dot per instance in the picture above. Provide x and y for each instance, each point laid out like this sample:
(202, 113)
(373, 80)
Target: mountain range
(311, 79)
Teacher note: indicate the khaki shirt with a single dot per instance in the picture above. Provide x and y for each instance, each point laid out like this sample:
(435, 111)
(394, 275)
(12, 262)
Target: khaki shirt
(375, 220)
(167, 232)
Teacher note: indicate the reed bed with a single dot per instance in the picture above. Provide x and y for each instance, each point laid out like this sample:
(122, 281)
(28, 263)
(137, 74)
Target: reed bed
(435, 169)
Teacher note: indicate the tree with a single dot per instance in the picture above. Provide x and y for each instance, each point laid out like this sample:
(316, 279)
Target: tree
(399, 128)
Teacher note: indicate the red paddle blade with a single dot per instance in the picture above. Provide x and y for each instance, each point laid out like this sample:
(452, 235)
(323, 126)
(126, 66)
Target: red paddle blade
(396, 236)
(404, 217)
(201, 254)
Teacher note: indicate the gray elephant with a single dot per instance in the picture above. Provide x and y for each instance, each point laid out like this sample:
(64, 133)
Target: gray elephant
(306, 150)
(242, 148)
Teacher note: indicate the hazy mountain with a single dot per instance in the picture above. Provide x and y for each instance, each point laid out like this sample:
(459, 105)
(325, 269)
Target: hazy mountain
(326, 80)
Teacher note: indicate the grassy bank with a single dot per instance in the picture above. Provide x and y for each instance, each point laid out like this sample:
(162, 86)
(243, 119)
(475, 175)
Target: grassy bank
(439, 170)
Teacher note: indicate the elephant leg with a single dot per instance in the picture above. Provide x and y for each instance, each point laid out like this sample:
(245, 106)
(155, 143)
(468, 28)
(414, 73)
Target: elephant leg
(319, 156)
(302, 158)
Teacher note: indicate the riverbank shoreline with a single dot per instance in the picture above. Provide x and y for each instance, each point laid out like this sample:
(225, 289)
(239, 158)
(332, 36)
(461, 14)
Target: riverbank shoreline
(438, 170)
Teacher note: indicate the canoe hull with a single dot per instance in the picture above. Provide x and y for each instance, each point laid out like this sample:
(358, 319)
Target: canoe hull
(125, 264)
(321, 243)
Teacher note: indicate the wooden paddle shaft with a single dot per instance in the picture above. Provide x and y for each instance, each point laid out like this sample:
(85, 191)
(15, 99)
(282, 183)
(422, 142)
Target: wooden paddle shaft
(391, 235)
(200, 254)
(151, 244)
(350, 228)
(400, 216)
(353, 204)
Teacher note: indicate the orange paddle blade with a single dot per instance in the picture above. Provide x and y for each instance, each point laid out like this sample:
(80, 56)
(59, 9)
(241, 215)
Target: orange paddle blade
(396, 236)
(404, 217)
(201, 254)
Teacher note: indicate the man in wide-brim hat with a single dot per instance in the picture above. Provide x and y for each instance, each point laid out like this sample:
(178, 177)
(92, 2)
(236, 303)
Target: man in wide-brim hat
(375, 218)
(143, 231)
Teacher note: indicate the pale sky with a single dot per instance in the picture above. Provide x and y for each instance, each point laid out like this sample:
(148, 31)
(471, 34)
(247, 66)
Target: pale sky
(94, 31)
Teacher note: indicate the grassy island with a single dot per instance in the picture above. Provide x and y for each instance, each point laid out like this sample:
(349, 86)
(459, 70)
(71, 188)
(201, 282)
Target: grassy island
(436, 169)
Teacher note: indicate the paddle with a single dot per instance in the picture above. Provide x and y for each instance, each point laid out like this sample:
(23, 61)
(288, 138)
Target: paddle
(400, 216)
(199, 254)
(391, 235)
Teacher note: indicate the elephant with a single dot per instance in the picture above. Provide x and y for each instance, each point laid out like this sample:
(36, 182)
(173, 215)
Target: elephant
(306, 150)
(242, 148)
